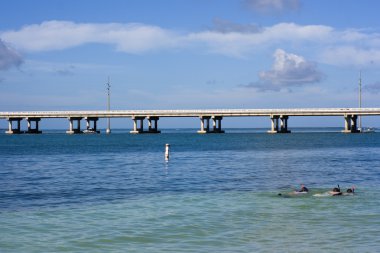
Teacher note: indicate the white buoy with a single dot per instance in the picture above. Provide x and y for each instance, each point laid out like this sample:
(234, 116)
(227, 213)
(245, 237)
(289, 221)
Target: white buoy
(167, 152)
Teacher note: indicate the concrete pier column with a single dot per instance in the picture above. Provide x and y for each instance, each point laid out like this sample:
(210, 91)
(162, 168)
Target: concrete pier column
(72, 129)
(274, 121)
(92, 129)
(347, 124)
(284, 124)
(217, 124)
(204, 128)
(354, 124)
(12, 130)
(207, 124)
(137, 129)
(32, 130)
(70, 125)
(153, 128)
(134, 125)
(350, 124)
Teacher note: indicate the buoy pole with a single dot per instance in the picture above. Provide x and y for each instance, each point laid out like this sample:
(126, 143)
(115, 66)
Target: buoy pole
(167, 147)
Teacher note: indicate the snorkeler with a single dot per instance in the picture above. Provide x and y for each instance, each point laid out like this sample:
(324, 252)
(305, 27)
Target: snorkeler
(303, 189)
(335, 191)
(350, 191)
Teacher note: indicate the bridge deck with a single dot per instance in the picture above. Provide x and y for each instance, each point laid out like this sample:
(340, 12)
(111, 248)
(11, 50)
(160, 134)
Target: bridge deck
(195, 113)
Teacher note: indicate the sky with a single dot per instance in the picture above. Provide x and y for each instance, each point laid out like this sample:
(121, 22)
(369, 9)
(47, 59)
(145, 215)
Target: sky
(189, 54)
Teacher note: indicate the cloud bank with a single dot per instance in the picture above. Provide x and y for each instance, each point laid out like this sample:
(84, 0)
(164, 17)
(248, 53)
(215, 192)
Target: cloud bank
(347, 47)
(8, 57)
(58, 35)
(289, 70)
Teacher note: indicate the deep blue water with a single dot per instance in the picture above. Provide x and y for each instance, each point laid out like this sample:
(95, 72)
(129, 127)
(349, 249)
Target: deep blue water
(218, 192)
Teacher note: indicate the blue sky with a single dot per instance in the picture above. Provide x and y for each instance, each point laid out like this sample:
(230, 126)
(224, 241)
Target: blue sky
(56, 55)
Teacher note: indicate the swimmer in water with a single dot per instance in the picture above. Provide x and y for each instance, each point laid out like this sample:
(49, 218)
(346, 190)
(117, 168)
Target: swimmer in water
(335, 191)
(350, 191)
(303, 189)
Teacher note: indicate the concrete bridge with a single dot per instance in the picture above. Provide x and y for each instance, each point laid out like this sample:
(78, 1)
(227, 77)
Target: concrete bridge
(279, 118)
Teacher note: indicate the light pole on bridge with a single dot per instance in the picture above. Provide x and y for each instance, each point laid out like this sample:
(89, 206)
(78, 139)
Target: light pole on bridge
(360, 99)
(108, 130)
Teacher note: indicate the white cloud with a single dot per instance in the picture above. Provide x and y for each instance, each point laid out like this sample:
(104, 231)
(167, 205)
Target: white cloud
(323, 43)
(8, 57)
(289, 70)
(234, 40)
(272, 5)
(351, 55)
(238, 44)
(55, 35)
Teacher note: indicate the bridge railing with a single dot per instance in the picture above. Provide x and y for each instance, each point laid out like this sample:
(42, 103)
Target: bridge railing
(195, 112)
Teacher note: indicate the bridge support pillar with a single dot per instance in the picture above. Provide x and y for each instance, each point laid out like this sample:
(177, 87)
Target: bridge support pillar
(217, 124)
(350, 124)
(136, 129)
(284, 124)
(275, 124)
(274, 128)
(92, 129)
(205, 128)
(72, 129)
(34, 130)
(153, 128)
(12, 130)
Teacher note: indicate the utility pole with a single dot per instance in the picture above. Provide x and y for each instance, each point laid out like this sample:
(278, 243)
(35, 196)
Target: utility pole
(108, 131)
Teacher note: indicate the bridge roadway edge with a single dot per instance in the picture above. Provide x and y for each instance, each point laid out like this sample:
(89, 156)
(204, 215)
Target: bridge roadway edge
(350, 115)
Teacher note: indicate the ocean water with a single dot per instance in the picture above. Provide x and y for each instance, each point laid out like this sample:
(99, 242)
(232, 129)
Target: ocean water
(218, 192)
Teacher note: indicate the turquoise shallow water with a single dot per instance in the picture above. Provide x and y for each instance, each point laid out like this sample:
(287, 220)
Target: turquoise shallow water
(218, 193)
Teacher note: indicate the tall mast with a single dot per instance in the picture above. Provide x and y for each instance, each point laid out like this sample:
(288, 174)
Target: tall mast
(360, 98)
(108, 131)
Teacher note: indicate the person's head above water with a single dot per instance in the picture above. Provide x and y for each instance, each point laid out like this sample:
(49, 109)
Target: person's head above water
(351, 190)
(336, 189)
(304, 188)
